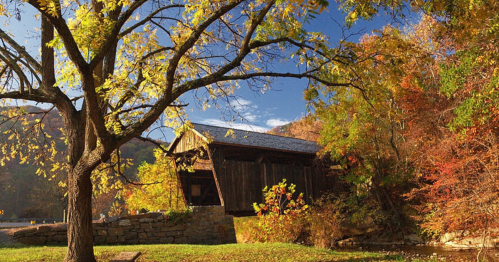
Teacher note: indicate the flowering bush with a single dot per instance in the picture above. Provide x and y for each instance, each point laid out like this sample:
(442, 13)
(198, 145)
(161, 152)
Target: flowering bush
(281, 216)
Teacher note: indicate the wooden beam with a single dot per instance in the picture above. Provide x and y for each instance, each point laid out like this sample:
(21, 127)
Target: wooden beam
(179, 181)
(222, 203)
(205, 193)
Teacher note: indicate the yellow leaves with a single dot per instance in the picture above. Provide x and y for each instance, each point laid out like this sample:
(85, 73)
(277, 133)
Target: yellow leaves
(111, 5)
(352, 16)
(105, 176)
(3, 10)
(230, 133)
(164, 193)
(196, 11)
(23, 158)
(89, 31)
(496, 72)
(26, 140)
(52, 7)
(302, 7)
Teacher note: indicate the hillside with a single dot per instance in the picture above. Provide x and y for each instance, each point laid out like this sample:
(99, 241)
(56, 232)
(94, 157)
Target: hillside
(304, 128)
(25, 194)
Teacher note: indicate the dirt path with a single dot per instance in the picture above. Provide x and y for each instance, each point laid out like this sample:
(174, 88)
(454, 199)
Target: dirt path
(5, 238)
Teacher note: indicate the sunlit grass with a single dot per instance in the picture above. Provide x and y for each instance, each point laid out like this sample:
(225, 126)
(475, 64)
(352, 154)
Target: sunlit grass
(232, 252)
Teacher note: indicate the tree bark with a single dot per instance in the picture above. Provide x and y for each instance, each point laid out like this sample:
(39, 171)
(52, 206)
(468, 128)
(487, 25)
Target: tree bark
(80, 232)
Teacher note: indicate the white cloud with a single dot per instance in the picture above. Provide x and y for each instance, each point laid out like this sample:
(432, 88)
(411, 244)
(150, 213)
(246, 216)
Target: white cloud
(241, 126)
(249, 116)
(273, 122)
(241, 104)
(245, 109)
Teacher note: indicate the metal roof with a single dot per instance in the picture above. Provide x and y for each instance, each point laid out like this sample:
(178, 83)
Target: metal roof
(220, 135)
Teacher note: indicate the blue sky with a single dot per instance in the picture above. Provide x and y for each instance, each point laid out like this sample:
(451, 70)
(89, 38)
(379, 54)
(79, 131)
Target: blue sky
(284, 102)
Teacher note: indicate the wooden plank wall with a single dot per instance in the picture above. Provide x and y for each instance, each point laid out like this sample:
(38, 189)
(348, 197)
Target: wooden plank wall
(189, 141)
(239, 189)
(321, 181)
(241, 182)
(294, 174)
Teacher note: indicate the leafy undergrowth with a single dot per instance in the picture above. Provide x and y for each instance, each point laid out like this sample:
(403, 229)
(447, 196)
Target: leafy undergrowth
(245, 226)
(232, 252)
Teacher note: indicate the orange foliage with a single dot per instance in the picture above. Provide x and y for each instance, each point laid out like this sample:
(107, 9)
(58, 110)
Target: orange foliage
(306, 128)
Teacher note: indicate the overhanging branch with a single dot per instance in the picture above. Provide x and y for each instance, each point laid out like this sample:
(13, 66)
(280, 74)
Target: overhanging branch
(35, 96)
(159, 145)
(21, 51)
(147, 18)
(168, 97)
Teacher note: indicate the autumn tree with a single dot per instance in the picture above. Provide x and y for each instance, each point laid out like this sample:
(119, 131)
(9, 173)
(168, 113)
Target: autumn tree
(158, 188)
(364, 125)
(460, 189)
(112, 68)
(450, 110)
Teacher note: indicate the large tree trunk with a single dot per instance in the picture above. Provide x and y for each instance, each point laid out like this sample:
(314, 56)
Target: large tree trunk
(80, 233)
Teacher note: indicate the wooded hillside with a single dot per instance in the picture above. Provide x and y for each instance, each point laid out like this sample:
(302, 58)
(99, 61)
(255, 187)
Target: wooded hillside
(25, 194)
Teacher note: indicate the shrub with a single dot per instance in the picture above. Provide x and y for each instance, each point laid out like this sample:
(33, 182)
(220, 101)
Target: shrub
(246, 228)
(174, 216)
(325, 220)
(281, 217)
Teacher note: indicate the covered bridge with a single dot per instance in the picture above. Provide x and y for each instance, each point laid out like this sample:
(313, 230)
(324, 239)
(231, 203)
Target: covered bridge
(230, 167)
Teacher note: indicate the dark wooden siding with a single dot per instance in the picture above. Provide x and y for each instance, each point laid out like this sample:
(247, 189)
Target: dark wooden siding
(237, 184)
(323, 180)
(240, 173)
(241, 182)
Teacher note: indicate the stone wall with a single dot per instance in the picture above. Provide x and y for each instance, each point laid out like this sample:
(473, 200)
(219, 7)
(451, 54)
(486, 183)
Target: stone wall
(205, 225)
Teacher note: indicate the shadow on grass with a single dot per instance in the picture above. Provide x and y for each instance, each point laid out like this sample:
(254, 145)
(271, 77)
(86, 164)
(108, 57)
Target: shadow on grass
(387, 258)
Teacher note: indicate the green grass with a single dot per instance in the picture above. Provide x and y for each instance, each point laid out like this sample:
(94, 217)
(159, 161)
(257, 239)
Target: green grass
(232, 252)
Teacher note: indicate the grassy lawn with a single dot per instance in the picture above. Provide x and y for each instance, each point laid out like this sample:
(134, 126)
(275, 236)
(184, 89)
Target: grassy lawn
(232, 252)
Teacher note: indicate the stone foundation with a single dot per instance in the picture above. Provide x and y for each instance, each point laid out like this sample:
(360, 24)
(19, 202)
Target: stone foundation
(204, 225)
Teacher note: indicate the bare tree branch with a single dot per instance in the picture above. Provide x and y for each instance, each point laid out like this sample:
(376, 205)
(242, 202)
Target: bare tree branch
(147, 19)
(168, 96)
(21, 51)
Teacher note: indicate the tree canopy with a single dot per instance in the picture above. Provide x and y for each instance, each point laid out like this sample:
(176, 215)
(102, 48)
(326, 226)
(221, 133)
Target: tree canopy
(417, 106)
(418, 125)
(113, 68)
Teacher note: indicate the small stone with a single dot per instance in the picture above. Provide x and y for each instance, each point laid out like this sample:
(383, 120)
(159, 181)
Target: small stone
(102, 232)
(126, 257)
(42, 229)
(125, 222)
(116, 232)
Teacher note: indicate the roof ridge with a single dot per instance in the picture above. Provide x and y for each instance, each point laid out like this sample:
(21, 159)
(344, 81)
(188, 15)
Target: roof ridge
(260, 133)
